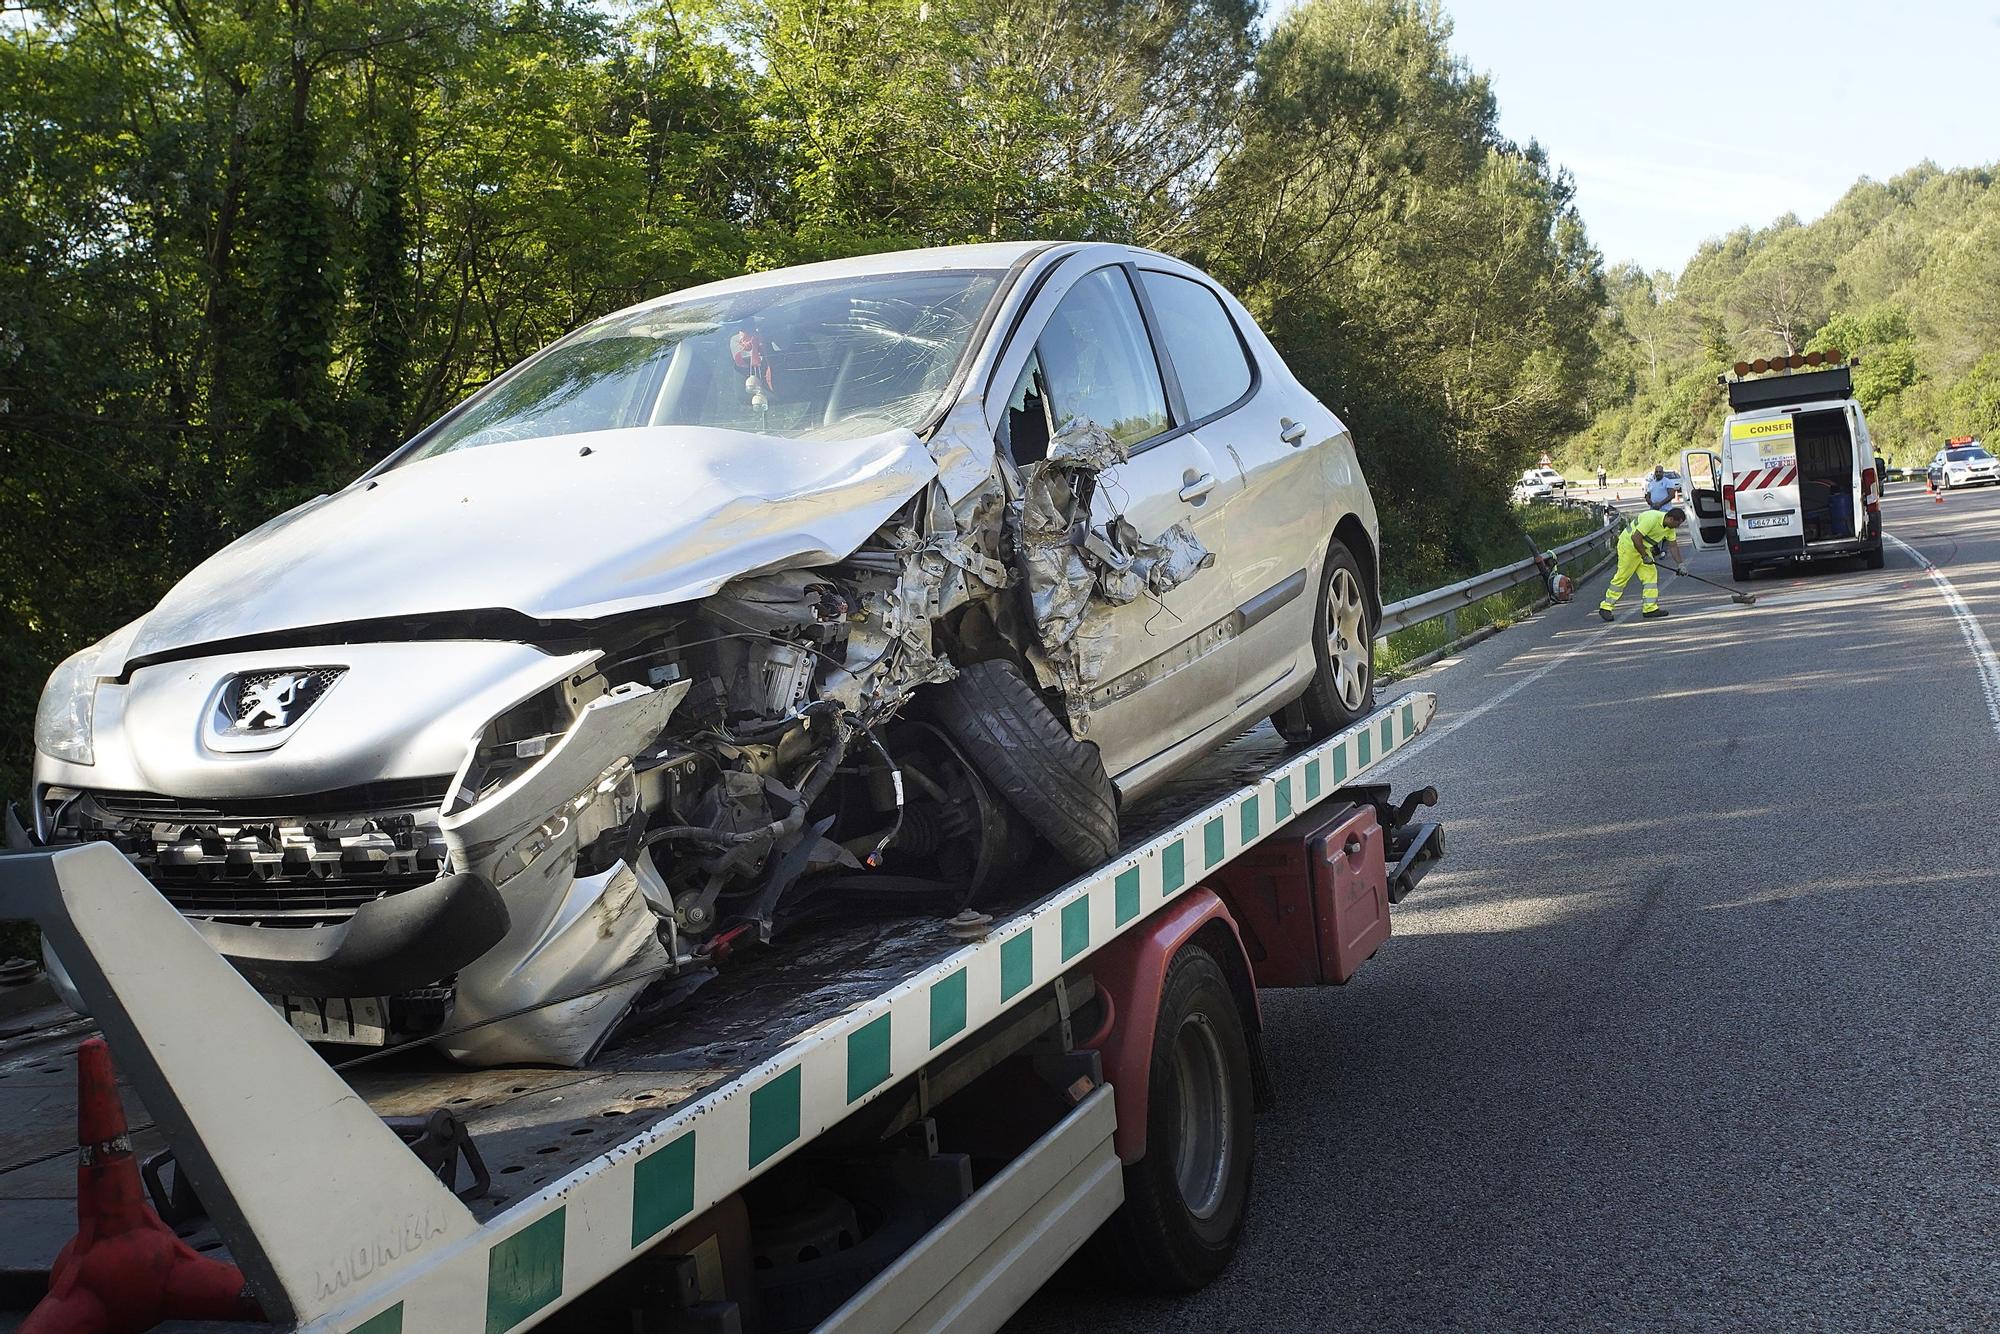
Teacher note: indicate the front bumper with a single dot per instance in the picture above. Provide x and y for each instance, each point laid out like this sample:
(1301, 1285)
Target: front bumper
(396, 944)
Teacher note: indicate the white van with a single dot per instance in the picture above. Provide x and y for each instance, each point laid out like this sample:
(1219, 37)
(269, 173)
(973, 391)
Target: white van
(1795, 477)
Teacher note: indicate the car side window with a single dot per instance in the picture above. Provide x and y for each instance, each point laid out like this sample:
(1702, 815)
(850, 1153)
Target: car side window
(1200, 340)
(1024, 428)
(1098, 363)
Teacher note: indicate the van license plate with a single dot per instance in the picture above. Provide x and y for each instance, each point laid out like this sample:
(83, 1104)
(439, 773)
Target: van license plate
(1768, 520)
(355, 1020)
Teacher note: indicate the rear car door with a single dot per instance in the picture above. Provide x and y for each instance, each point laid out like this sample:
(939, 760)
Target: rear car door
(1703, 471)
(1165, 676)
(1285, 513)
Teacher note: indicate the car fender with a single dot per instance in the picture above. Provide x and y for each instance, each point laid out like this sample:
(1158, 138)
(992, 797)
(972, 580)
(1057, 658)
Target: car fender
(1131, 974)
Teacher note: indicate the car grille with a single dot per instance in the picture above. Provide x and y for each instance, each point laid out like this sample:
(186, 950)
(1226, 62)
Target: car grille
(278, 861)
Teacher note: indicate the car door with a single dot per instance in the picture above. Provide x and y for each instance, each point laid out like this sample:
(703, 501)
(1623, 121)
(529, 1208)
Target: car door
(1284, 516)
(1703, 471)
(1165, 676)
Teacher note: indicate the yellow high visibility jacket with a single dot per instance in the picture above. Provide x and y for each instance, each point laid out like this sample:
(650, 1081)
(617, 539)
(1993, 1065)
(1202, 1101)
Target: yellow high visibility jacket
(1652, 526)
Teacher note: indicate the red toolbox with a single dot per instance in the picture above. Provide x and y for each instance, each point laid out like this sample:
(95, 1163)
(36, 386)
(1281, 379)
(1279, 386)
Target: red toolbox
(1312, 901)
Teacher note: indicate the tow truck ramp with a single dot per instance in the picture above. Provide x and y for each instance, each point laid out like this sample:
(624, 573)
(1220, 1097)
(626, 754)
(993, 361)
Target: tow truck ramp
(340, 1227)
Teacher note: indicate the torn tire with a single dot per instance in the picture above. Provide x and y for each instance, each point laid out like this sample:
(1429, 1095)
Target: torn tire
(1055, 782)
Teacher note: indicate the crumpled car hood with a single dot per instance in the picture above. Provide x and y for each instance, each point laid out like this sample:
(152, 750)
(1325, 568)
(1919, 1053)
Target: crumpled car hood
(564, 528)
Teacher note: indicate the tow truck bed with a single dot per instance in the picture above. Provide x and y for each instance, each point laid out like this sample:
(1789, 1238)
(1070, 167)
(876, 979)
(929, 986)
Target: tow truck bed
(541, 1131)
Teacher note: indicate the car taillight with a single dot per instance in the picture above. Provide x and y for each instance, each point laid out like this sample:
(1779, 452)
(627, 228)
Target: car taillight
(1868, 488)
(1729, 504)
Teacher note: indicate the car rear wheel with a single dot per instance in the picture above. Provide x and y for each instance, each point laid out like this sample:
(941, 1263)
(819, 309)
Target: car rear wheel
(1739, 571)
(1343, 681)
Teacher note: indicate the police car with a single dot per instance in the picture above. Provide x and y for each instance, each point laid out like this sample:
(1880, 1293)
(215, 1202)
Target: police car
(1964, 462)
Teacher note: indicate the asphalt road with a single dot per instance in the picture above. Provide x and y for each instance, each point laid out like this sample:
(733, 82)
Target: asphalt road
(1699, 1023)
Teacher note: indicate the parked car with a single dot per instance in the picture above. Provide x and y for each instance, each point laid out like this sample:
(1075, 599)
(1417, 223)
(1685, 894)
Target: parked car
(1963, 463)
(1531, 488)
(1555, 480)
(770, 599)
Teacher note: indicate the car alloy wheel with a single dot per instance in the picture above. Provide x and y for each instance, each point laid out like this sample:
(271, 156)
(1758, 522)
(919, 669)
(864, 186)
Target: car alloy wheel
(1347, 638)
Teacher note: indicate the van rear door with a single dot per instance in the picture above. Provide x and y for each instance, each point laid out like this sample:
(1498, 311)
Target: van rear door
(1763, 468)
(1829, 467)
(1702, 471)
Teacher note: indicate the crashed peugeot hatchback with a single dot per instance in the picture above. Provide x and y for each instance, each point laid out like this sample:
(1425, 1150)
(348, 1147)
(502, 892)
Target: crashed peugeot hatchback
(808, 593)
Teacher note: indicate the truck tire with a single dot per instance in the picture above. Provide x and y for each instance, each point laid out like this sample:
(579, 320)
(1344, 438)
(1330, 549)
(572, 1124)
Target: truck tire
(1343, 680)
(1056, 783)
(1186, 1199)
(1875, 559)
(1739, 571)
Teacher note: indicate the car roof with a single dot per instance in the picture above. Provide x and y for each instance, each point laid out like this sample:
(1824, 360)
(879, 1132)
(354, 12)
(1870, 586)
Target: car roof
(991, 255)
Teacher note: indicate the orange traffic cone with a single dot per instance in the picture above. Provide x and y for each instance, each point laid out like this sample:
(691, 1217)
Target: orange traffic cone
(125, 1270)
(1937, 492)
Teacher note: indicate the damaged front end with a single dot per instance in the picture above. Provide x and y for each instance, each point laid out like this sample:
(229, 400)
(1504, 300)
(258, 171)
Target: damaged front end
(666, 787)
(648, 792)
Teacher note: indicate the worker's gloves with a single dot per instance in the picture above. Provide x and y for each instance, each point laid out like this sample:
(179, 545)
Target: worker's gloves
(1680, 569)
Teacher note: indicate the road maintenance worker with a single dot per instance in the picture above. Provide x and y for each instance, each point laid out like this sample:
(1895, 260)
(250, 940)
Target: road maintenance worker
(1639, 547)
(1659, 491)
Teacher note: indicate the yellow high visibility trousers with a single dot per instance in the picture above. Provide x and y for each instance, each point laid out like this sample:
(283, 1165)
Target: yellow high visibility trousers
(1630, 563)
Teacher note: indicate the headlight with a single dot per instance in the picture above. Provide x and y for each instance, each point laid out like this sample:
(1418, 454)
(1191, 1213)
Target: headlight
(63, 718)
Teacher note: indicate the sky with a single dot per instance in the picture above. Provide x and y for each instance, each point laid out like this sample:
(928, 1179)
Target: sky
(1682, 121)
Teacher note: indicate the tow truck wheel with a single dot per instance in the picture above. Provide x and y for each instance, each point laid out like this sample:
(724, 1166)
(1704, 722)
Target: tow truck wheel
(1343, 680)
(1186, 1199)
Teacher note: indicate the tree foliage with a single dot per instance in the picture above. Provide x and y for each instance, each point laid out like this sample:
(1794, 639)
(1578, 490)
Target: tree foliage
(1904, 274)
(246, 248)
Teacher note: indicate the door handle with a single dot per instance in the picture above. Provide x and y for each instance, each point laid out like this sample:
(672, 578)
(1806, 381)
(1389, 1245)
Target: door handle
(1291, 432)
(1195, 488)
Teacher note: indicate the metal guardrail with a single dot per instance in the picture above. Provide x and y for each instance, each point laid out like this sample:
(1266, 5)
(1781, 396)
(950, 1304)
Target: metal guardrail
(1447, 602)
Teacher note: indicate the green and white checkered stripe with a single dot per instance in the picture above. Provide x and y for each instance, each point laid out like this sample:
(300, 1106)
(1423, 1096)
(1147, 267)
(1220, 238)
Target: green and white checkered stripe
(553, 1246)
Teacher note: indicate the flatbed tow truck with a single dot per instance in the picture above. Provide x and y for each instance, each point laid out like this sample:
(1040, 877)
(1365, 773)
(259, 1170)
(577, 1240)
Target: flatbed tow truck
(893, 1123)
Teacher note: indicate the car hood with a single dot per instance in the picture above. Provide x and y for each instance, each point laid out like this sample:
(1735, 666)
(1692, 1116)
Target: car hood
(562, 528)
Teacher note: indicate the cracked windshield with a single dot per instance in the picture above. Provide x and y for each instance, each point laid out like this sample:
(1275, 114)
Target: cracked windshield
(828, 361)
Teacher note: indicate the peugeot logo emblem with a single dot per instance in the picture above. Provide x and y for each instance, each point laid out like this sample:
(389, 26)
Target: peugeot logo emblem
(268, 702)
(259, 710)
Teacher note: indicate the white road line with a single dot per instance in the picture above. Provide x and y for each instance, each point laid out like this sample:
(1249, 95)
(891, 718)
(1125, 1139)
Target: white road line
(1437, 734)
(1968, 625)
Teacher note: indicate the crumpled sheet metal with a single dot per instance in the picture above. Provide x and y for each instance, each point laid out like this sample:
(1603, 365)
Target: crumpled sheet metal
(962, 449)
(1075, 573)
(594, 939)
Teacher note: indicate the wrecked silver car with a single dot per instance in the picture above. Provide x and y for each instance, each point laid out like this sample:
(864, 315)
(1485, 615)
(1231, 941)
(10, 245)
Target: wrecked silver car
(813, 592)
